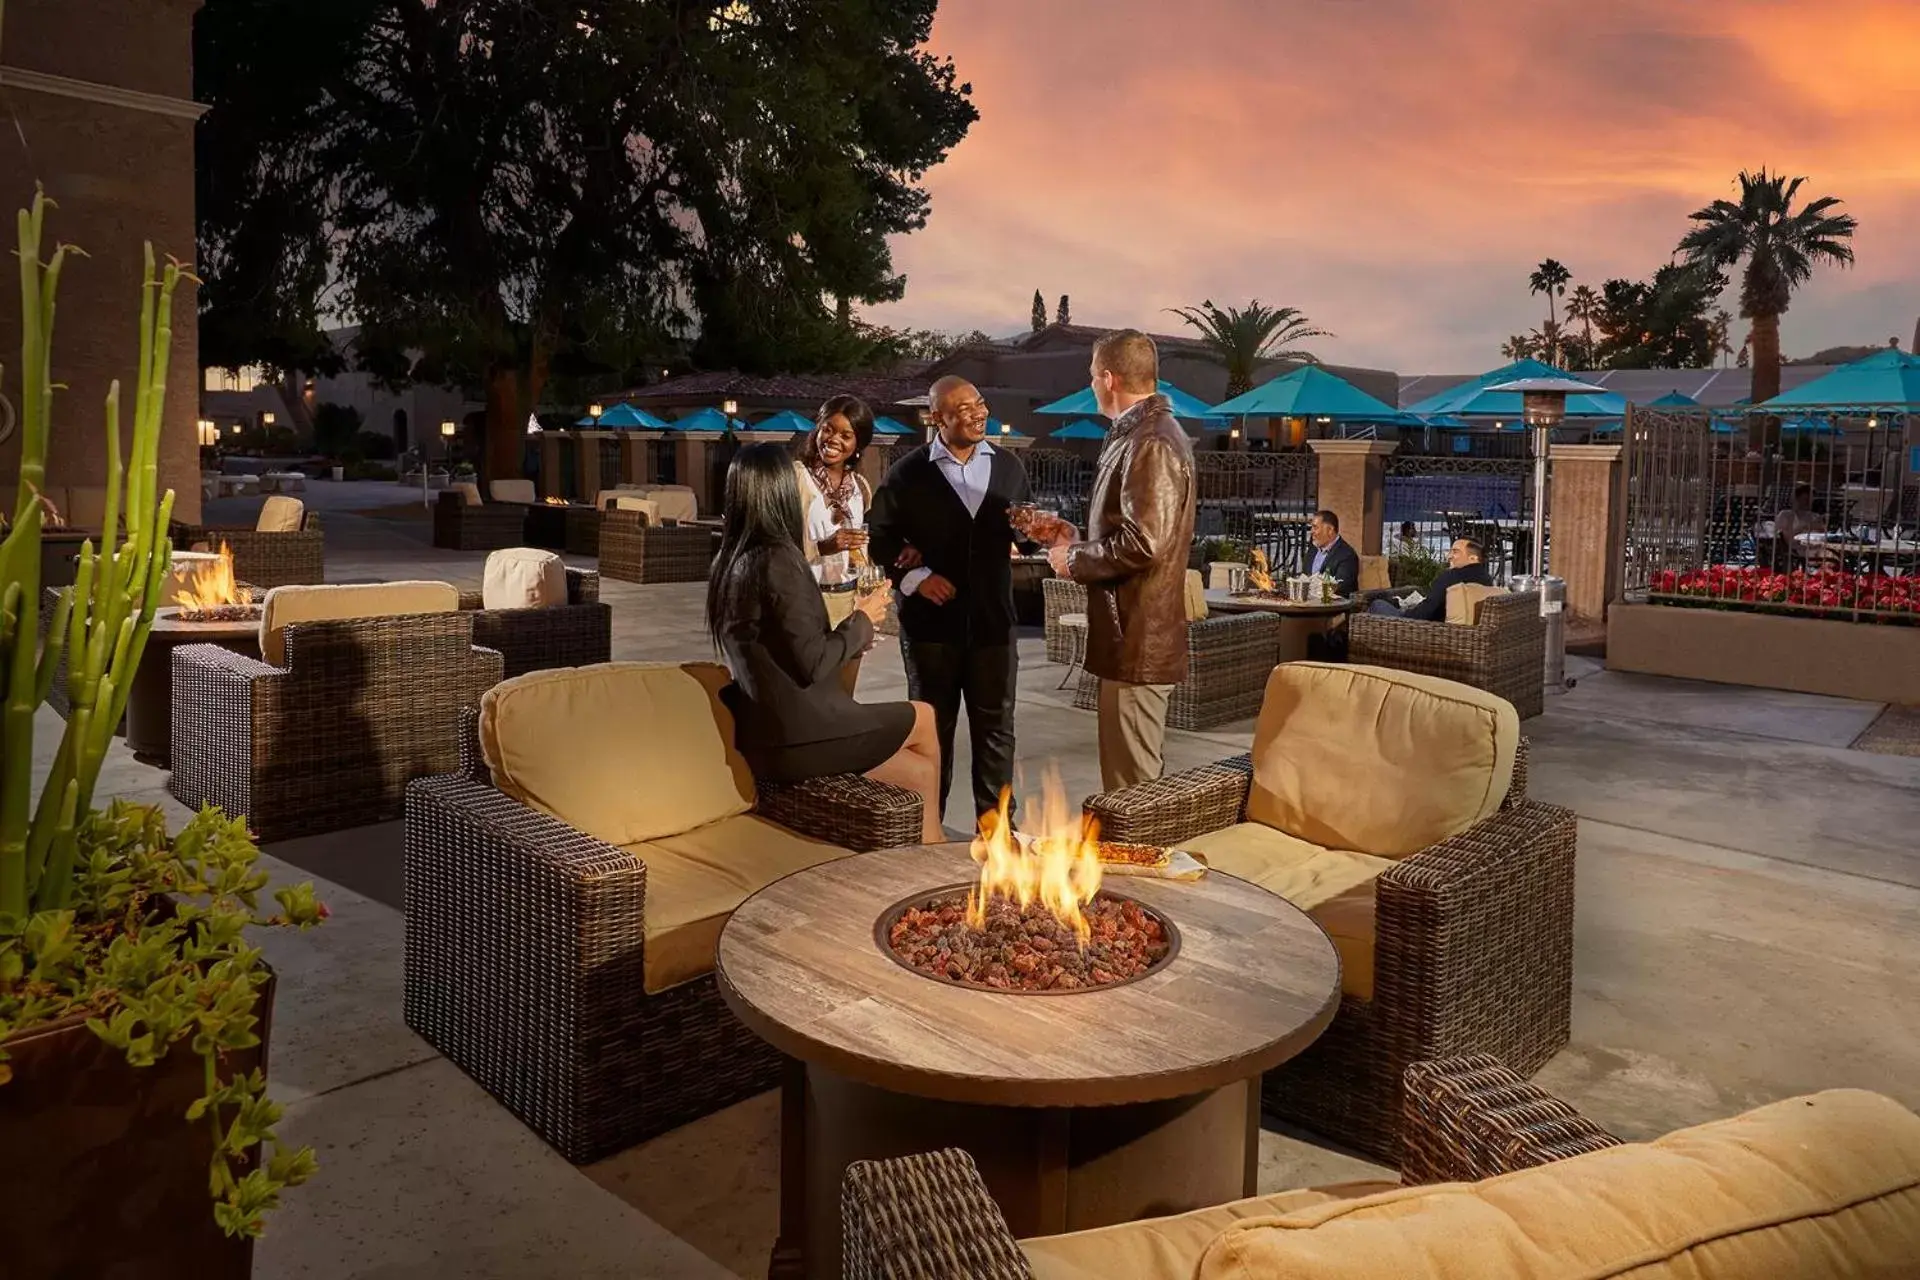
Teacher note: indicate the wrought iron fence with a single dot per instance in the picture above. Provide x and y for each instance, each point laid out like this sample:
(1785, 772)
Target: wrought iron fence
(1060, 482)
(1260, 499)
(611, 470)
(1433, 499)
(1821, 518)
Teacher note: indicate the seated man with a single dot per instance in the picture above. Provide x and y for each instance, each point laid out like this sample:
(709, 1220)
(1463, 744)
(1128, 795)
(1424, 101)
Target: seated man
(1465, 563)
(1332, 554)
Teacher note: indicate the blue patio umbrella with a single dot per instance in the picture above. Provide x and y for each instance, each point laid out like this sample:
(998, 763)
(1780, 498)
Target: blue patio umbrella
(708, 419)
(1445, 422)
(1474, 400)
(997, 428)
(884, 426)
(1081, 404)
(1674, 400)
(1085, 429)
(1816, 424)
(785, 420)
(1311, 392)
(1884, 380)
(627, 417)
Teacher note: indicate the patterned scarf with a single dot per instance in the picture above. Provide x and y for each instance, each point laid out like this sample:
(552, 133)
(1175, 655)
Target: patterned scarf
(839, 498)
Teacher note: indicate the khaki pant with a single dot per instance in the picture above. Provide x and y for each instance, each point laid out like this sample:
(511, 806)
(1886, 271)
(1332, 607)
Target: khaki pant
(1133, 727)
(839, 609)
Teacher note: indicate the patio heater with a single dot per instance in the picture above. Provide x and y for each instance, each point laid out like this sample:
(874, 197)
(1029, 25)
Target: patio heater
(1544, 405)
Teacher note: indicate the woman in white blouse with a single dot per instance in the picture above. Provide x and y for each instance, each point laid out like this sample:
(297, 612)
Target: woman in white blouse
(833, 498)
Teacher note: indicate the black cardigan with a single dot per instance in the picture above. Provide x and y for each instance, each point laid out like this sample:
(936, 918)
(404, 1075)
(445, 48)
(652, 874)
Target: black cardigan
(915, 506)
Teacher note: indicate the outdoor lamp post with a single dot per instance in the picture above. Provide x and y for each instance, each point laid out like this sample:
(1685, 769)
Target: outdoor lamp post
(209, 433)
(730, 407)
(593, 411)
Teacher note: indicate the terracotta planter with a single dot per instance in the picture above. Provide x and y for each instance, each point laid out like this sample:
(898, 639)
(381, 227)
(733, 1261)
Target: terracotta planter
(103, 1177)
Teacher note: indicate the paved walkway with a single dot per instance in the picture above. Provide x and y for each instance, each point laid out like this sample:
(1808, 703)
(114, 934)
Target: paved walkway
(1748, 929)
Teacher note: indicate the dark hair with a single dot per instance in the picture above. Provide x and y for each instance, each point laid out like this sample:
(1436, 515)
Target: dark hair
(1803, 487)
(1473, 547)
(858, 416)
(1328, 519)
(762, 512)
(1407, 530)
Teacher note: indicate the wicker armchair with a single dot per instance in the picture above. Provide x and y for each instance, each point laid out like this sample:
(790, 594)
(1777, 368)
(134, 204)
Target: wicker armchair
(576, 634)
(634, 550)
(1473, 948)
(460, 525)
(265, 559)
(930, 1217)
(1503, 652)
(362, 707)
(526, 946)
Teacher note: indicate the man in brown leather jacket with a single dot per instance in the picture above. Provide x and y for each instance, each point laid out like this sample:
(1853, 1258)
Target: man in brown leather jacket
(1134, 561)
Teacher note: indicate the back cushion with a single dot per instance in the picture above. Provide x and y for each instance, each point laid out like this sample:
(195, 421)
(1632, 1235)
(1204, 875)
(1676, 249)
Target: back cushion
(624, 751)
(86, 506)
(1807, 1189)
(1378, 761)
(467, 490)
(1196, 596)
(1375, 574)
(512, 491)
(523, 578)
(1463, 602)
(287, 605)
(630, 502)
(281, 514)
(676, 500)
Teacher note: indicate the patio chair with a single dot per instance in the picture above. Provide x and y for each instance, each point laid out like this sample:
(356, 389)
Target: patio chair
(636, 545)
(284, 547)
(561, 920)
(1498, 644)
(359, 693)
(557, 621)
(1819, 1185)
(462, 522)
(1392, 808)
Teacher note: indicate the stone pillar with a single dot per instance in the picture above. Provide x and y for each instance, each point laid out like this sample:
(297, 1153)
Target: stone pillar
(101, 93)
(586, 463)
(878, 456)
(1353, 485)
(551, 485)
(690, 459)
(1585, 499)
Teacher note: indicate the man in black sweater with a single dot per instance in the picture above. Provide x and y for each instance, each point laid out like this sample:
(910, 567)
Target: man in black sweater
(942, 510)
(1466, 564)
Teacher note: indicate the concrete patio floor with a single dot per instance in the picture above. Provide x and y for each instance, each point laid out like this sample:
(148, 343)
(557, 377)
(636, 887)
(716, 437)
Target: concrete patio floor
(1748, 929)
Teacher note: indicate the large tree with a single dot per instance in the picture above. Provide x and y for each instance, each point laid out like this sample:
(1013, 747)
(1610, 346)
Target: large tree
(1239, 338)
(1780, 247)
(1663, 323)
(517, 188)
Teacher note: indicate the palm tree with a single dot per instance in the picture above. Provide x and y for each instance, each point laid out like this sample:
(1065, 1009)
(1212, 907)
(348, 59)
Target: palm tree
(1517, 347)
(1241, 337)
(1720, 334)
(1583, 306)
(1780, 247)
(1550, 278)
(1546, 339)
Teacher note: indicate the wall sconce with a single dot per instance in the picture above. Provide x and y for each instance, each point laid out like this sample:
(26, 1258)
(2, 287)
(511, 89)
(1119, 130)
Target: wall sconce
(266, 419)
(1005, 429)
(447, 429)
(1233, 433)
(1873, 424)
(594, 410)
(236, 428)
(730, 407)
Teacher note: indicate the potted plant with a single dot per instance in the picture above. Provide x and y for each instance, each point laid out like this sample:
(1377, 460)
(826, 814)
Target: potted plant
(133, 1005)
(1226, 561)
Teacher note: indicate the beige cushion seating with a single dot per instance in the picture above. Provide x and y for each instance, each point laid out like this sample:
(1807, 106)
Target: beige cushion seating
(1378, 761)
(1196, 587)
(624, 751)
(1463, 601)
(468, 490)
(523, 578)
(695, 881)
(281, 515)
(676, 501)
(1375, 574)
(512, 491)
(633, 502)
(323, 603)
(85, 506)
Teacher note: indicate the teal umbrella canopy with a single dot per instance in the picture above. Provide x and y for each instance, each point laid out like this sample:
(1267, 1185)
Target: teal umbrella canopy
(708, 419)
(1674, 400)
(1081, 404)
(1814, 424)
(626, 417)
(1085, 429)
(1311, 392)
(997, 428)
(884, 426)
(1886, 380)
(1473, 400)
(785, 420)
(1445, 422)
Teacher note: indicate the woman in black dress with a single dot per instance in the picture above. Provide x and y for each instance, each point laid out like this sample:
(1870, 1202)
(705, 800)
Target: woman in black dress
(792, 717)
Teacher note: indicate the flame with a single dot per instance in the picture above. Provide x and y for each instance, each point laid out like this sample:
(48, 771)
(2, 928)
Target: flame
(554, 502)
(211, 586)
(1058, 868)
(1260, 575)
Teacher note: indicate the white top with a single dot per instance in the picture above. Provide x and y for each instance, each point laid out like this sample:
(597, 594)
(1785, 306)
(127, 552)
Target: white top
(838, 567)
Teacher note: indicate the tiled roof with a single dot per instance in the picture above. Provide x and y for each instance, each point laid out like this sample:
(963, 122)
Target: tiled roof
(1093, 333)
(876, 391)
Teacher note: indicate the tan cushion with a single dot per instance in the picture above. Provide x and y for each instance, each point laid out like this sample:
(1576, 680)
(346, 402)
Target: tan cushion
(624, 751)
(1196, 596)
(1166, 1248)
(645, 506)
(85, 505)
(676, 501)
(512, 491)
(1375, 574)
(468, 490)
(1333, 886)
(1806, 1189)
(1378, 761)
(523, 578)
(320, 603)
(1463, 601)
(696, 879)
(280, 514)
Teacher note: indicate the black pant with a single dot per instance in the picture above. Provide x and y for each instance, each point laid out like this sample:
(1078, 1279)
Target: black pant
(942, 675)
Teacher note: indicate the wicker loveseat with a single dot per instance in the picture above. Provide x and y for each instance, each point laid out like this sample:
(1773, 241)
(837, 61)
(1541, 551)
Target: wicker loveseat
(577, 633)
(284, 548)
(635, 546)
(462, 522)
(1392, 808)
(566, 962)
(1501, 1181)
(360, 692)
(1502, 650)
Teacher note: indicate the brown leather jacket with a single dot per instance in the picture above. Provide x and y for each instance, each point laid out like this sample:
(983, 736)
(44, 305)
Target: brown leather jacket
(1134, 562)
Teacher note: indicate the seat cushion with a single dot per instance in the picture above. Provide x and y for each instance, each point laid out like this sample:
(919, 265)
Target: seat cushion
(647, 507)
(1375, 573)
(676, 501)
(1196, 596)
(86, 506)
(523, 578)
(512, 491)
(624, 751)
(326, 603)
(1463, 602)
(468, 490)
(1809, 1188)
(1378, 761)
(1167, 1248)
(1335, 883)
(696, 879)
(281, 514)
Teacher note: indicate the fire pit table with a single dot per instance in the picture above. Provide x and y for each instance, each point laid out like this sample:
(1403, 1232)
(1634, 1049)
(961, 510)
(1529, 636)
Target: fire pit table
(1082, 1108)
(150, 701)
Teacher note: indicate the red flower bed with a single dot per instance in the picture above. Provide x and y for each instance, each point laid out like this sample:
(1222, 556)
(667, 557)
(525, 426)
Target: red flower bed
(1826, 593)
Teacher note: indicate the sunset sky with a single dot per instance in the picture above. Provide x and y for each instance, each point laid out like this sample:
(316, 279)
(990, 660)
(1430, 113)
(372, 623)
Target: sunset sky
(1395, 168)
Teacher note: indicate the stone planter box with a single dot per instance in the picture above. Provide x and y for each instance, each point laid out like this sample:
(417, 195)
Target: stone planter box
(105, 1177)
(1868, 661)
